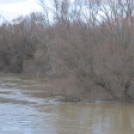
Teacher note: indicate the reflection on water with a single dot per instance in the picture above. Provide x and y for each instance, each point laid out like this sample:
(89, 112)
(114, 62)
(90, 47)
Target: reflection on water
(21, 112)
(94, 119)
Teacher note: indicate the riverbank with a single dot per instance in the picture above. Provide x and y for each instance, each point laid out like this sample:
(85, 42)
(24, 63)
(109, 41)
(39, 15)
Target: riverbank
(69, 91)
(69, 88)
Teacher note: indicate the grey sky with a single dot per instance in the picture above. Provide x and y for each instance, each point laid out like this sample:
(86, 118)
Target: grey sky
(10, 9)
(13, 8)
(11, 1)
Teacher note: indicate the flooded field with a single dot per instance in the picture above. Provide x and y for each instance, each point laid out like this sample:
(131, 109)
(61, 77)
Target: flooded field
(21, 112)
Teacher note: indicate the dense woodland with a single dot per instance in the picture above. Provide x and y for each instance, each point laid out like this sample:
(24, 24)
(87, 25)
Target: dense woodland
(90, 39)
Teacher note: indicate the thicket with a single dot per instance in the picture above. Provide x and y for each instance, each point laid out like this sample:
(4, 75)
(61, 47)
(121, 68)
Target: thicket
(91, 39)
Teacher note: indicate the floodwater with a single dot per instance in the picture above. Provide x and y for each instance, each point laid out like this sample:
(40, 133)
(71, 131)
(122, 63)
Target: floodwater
(21, 112)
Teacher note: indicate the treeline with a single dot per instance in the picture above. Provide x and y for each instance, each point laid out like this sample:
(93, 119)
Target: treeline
(91, 39)
(21, 46)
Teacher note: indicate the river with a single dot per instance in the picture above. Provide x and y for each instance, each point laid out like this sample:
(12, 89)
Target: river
(21, 112)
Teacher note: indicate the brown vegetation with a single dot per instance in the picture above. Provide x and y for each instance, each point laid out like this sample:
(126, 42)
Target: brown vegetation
(91, 40)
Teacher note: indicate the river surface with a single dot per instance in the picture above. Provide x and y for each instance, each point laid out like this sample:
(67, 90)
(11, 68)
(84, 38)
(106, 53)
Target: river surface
(21, 112)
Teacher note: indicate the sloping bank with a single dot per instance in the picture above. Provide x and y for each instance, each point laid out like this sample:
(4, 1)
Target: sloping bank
(69, 90)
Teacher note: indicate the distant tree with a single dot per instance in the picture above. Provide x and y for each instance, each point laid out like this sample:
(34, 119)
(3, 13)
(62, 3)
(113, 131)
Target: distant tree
(16, 45)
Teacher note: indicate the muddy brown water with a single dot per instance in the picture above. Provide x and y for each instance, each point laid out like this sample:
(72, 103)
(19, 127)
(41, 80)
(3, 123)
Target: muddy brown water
(21, 112)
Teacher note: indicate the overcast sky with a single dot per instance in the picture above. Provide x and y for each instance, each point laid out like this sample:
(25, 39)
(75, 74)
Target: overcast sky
(12, 8)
